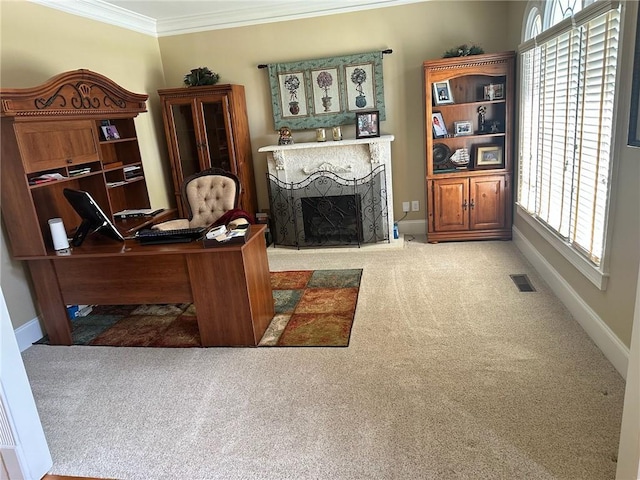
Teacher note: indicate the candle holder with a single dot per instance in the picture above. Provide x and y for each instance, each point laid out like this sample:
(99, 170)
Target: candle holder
(337, 133)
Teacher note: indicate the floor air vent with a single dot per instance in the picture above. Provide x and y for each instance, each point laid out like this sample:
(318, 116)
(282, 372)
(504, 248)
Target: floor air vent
(523, 283)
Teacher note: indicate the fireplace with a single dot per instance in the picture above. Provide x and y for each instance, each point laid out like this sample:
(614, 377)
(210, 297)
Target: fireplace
(327, 210)
(331, 193)
(332, 219)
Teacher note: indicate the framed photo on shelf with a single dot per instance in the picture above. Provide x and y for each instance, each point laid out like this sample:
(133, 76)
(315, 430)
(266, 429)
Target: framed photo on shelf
(438, 125)
(494, 91)
(462, 128)
(367, 124)
(489, 156)
(110, 132)
(442, 93)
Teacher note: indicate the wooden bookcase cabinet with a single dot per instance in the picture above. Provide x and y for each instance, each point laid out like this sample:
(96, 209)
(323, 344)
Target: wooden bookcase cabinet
(55, 128)
(205, 127)
(473, 202)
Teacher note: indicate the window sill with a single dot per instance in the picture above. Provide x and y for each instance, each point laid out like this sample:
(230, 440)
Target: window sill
(586, 268)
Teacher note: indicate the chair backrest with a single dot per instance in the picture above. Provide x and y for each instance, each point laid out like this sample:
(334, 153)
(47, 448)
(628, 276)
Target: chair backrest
(209, 194)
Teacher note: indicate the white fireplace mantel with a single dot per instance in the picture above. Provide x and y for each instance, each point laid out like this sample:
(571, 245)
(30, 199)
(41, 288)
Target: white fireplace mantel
(353, 158)
(349, 159)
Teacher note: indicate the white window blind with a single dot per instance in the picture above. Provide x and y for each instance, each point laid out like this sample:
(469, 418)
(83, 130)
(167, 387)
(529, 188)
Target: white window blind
(566, 127)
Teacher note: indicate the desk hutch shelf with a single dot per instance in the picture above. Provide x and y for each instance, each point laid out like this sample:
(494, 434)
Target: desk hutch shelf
(74, 131)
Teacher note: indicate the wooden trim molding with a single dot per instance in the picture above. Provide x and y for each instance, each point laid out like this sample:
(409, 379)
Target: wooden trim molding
(77, 92)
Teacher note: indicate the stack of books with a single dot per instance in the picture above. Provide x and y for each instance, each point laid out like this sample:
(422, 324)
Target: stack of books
(79, 171)
(46, 178)
(132, 171)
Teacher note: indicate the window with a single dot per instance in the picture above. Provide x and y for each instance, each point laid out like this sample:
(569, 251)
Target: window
(567, 85)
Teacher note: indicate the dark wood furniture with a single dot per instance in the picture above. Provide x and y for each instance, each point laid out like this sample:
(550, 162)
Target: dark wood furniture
(473, 201)
(229, 286)
(56, 129)
(206, 127)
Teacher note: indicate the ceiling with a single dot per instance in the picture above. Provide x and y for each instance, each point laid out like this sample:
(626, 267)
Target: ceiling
(166, 17)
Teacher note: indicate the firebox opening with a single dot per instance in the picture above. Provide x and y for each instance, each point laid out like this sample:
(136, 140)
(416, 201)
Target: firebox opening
(332, 220)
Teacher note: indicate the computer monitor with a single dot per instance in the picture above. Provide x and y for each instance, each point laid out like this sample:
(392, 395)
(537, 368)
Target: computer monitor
(93, 218)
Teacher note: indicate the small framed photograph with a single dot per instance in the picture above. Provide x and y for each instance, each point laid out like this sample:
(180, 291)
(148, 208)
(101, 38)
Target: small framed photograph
(494, 91)
(442, 93)
(368, 124)
(110, 132)
(462, 128)
(437, 123)
(489, 156)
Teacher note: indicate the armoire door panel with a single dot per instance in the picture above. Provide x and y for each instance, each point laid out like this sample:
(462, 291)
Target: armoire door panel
(186, 139)
(216, 130)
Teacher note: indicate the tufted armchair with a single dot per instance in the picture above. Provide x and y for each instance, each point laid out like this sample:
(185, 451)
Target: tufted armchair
(212, 198)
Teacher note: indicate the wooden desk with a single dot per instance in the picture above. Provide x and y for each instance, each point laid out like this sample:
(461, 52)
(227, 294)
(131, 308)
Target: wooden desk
(230, 286)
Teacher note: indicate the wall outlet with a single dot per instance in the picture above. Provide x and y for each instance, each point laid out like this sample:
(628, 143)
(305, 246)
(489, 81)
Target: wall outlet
(405, 207)
(415, 206)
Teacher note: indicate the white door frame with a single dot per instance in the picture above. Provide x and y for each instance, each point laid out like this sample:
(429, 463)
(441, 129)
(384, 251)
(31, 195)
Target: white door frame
(23, 446)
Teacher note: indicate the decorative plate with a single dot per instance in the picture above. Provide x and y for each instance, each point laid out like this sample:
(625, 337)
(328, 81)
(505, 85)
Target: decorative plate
(441, 153)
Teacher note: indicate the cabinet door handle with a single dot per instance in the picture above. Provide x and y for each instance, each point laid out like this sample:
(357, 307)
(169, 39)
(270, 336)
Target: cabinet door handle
(69, 161)
(464, 204)
(472, 204)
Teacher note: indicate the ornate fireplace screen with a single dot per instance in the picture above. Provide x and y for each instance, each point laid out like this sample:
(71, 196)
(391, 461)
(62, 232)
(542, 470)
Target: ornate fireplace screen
(327, 210)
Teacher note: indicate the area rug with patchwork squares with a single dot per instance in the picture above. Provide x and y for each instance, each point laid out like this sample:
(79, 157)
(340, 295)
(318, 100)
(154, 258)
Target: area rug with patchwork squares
(313, 308)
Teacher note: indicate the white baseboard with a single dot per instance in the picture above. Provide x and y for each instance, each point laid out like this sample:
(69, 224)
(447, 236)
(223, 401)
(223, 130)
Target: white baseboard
(607, 341)
(28, 333)
(413, 227)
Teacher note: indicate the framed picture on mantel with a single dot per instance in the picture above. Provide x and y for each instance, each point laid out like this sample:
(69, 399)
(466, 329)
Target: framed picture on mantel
(367, 124)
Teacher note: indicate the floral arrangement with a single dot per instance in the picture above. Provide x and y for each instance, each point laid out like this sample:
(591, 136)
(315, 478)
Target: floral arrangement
(359, 76)
(463, 51)
(201, 76)
(325, 80)
(292, 83)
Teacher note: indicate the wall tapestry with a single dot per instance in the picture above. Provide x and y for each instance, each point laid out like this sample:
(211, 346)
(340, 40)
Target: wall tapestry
(326, 92)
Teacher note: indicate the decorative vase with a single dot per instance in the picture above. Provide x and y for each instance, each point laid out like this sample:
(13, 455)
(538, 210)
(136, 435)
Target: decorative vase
(294, 108)
(361, 101)
(326, 103)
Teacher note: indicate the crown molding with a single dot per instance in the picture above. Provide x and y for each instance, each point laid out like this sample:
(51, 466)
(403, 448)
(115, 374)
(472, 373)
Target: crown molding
(270, 12)
(242, 14)
(106, 13)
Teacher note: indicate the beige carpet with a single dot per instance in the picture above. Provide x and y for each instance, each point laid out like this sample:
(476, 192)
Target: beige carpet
(451, 373)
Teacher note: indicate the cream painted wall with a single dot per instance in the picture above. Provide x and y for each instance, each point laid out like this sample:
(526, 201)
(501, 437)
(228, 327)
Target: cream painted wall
(415, 32)
(38, 43)
(615, 306)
